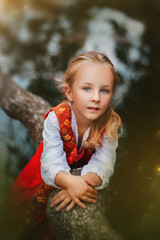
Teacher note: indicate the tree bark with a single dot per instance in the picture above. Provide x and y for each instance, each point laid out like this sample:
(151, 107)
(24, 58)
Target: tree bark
(24, 106)
(77, 224)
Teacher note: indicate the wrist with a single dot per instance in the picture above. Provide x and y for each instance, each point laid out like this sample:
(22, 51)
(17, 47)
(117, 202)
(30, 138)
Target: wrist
(69, 180)
(93, 177)
(64, 179)
(61, 178)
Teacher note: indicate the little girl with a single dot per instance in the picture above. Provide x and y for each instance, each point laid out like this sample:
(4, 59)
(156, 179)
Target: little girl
(82, 131)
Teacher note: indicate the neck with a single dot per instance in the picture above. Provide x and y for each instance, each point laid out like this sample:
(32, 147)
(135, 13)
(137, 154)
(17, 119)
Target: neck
(82, 127)
(82, 124)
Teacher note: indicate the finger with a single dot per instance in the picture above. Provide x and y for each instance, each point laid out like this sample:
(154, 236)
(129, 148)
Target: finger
(92, 190)
(56, 196)
(57, 200)
(71, 205)
(89, 182)
(79, 203)
(59, 194)
(63, 204)
(89, 200)
(91, 195)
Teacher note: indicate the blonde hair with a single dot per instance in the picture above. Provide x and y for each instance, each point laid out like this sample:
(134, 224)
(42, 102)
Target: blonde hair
(109, 120)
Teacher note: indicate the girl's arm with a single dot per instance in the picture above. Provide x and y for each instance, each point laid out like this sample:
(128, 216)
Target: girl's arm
(101, 163)
(53, 158)
(77, 188)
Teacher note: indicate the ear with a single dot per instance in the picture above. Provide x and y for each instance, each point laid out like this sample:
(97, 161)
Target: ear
(68, 93)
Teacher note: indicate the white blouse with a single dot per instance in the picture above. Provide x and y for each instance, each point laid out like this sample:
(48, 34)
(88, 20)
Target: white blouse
(53, 158)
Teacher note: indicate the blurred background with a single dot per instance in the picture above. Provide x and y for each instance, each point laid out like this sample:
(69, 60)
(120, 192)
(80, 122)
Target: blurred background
(37, 40)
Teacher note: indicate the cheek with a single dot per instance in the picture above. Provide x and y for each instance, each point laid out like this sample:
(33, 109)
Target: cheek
(107, 100)
(82, 95)
(110, 98)
(79, 97)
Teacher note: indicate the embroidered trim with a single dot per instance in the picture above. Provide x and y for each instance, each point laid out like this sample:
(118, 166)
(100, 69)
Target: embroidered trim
(35, 210)
(63, 113)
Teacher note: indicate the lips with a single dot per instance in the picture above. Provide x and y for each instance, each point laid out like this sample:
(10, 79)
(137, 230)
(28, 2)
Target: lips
(93, 108)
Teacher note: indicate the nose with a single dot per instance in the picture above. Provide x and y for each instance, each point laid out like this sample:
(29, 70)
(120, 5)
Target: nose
(95, 96)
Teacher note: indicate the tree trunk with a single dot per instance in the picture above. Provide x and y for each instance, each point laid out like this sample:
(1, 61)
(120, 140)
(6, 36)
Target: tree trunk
(77, 224)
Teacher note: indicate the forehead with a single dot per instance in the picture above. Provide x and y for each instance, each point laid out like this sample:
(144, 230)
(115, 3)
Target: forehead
(95, 73)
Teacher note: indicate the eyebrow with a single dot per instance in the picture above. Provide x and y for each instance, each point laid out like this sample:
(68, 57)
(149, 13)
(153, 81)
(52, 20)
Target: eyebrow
(101, 86)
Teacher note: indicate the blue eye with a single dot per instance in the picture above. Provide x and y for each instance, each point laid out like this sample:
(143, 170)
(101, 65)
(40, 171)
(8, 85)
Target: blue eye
(86, 88)
(104, 91)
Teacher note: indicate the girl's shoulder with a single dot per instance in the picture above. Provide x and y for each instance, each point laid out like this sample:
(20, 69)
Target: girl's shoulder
(107, 143)
(60, 109)
(58, 116)
(51, 122)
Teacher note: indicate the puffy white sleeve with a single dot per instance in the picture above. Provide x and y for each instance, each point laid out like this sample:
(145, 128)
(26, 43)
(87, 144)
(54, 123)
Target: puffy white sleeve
(102, 161)
(53, 158)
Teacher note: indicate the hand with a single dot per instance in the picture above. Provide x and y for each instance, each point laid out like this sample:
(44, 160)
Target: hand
(92, 179)
(78, 189)
(63, 199)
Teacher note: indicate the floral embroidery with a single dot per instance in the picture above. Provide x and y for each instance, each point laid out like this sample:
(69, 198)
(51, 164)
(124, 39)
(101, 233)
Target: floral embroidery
(35, 210)
(63, 113)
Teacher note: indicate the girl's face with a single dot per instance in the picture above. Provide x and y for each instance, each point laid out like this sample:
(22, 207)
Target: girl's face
(91, 92)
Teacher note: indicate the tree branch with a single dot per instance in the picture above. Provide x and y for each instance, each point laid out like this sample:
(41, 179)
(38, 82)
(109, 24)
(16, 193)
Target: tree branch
(24, 106)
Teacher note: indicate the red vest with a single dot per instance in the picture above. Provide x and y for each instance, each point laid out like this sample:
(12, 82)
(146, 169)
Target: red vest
(63, 113)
